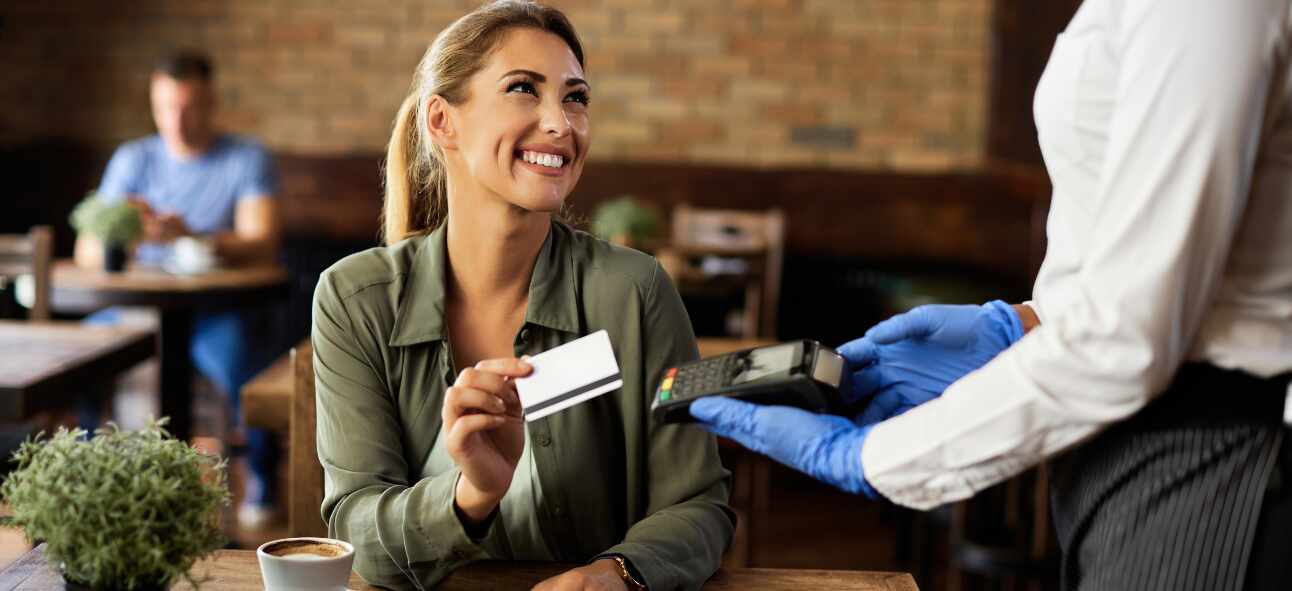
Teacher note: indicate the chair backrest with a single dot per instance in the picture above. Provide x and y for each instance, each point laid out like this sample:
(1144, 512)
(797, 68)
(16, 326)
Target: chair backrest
(305, 473)
(29, 254)
(758, 236)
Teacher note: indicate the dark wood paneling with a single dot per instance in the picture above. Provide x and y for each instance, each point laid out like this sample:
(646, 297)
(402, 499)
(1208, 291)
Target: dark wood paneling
(1023, 34)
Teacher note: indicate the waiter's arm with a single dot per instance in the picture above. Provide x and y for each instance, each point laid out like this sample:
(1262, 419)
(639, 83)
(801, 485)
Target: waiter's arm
(1191, 96)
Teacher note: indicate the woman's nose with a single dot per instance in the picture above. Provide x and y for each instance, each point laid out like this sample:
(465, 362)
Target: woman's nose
(556, 122)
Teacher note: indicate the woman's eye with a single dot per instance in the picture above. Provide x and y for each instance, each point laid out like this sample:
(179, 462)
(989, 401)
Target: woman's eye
(522, 86)
(578, 96)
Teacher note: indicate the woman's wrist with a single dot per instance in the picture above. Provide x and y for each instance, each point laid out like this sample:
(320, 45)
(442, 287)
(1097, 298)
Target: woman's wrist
(608, 569)
(474, 506)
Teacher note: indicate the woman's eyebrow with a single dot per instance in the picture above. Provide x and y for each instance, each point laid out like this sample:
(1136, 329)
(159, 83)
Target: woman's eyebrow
(541, 78)
(532, 74)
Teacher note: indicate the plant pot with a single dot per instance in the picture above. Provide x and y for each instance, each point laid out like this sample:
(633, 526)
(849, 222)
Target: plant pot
(114, 258)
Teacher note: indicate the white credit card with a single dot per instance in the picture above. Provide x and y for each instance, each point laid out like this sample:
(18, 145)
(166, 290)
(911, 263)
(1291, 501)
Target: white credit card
(575, 372)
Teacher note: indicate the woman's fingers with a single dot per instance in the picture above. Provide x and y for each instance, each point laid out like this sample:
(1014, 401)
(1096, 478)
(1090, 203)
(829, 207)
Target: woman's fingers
(486, 380)
(511, 367)
(498, 376)
(460, 401)
(468, 425)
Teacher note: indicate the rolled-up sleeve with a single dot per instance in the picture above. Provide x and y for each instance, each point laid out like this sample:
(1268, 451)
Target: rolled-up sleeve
(688, 527)
(406, 534)
(1183, 140)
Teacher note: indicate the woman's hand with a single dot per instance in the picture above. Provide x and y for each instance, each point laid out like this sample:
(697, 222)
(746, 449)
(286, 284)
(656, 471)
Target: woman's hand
(602, 575)
(485, 433)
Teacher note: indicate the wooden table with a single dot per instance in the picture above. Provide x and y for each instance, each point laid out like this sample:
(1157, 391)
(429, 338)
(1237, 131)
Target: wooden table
(46, 365)
(176, 297)
(238, 570)
(266, 398)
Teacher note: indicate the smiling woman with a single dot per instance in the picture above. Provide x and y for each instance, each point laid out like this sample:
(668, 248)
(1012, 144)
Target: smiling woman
(429, 462)
(525, 119)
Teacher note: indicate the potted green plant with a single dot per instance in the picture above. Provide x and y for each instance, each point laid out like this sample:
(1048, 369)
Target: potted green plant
(116, 223)
(123, 510)
(624, 220)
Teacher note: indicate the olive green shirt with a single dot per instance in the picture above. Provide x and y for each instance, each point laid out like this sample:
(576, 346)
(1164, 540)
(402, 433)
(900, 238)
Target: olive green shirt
(609, 478)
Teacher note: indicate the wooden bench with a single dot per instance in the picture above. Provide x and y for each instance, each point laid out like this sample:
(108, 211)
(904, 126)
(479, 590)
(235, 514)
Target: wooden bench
(281, 399)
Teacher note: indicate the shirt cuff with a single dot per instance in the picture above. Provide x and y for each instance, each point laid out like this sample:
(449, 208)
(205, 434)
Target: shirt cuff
(1040, 316)
(438, 534)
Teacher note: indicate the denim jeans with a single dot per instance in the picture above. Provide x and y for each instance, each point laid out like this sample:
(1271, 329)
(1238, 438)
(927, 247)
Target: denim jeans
(223, 350)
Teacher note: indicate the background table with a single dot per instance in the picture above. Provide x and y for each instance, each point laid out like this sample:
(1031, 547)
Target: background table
(176, 297)
(238, 570)
(45, 365)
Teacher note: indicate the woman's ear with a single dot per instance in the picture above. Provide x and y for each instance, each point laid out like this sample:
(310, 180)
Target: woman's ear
(439, 122)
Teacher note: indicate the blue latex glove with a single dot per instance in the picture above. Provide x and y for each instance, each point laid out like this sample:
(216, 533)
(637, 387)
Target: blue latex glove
(911, 358)
(825, 447)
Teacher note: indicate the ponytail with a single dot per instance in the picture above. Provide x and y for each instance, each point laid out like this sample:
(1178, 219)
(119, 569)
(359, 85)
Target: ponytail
(401, 196)
(415, 183)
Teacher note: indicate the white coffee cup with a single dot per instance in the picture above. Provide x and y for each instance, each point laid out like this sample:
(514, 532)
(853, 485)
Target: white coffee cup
(191, 254)
(305, 564)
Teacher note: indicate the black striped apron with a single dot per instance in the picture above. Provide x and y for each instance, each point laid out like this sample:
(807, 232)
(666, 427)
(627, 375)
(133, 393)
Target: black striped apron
(1174, 497)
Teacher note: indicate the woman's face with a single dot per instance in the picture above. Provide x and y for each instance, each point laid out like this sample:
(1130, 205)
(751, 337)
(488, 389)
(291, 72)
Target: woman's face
(522, 133)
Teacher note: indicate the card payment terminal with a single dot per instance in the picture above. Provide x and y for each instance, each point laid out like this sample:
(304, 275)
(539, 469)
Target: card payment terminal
(803, 373)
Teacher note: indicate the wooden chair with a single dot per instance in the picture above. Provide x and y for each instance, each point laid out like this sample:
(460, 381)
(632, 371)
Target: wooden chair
(31, 255)
(757, 237)
(305, 473)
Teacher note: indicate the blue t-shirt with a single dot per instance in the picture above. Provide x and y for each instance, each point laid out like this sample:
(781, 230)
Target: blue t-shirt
(204, 190)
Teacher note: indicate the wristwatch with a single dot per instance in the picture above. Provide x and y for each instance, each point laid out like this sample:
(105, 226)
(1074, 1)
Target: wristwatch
(624, 573)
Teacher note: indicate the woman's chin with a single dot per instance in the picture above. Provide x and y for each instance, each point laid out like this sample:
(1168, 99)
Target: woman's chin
(537, 202)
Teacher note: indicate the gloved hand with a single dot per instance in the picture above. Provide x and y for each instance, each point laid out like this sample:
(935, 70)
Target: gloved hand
(825, 447)
(911, 358)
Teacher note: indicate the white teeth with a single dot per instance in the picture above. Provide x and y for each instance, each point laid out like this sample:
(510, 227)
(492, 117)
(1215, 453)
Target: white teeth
(542, 159)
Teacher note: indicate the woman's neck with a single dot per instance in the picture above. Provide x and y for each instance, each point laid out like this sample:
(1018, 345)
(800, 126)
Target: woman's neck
(492, 248)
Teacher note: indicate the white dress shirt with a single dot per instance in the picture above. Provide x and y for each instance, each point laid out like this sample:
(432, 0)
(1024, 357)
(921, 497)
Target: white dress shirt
(1166, 127)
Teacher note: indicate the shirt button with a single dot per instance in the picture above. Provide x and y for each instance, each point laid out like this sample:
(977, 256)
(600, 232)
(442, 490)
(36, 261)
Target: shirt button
(544, 439)
(558, 511)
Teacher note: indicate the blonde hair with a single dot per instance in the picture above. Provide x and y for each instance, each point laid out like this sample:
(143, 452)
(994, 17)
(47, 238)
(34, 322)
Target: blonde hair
(415, 181)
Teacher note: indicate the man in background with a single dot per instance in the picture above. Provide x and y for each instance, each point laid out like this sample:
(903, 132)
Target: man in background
(190, 180)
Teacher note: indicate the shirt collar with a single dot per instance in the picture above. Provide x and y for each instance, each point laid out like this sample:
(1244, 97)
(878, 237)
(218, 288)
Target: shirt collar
(552, 298)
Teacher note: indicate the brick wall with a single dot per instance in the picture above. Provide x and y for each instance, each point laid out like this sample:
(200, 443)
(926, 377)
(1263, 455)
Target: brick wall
(859, 84)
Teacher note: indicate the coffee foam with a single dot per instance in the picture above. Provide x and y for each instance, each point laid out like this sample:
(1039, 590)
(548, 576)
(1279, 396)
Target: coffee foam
(299, 549)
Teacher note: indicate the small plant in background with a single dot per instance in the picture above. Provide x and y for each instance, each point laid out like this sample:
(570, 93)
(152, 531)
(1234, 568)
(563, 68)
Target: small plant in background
(624, 220)
(123, 510)
(114, 223)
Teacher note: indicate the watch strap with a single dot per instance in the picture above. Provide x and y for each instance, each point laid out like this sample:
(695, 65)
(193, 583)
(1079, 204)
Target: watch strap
(626, 572)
